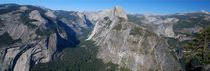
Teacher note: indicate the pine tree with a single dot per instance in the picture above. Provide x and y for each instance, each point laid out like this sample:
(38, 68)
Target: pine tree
(197, 51)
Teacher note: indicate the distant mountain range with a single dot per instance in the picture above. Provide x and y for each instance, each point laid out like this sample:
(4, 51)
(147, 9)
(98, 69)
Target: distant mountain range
(30, 35)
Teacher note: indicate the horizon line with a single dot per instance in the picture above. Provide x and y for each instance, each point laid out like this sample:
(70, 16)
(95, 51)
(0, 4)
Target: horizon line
(127, 12)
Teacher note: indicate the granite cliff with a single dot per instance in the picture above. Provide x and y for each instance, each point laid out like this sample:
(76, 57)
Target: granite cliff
(30, 35)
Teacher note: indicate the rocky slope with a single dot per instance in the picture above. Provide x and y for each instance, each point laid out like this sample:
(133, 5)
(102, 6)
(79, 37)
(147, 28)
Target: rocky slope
(30, 35)
(174, 25)
(130, 45)
(35, 35)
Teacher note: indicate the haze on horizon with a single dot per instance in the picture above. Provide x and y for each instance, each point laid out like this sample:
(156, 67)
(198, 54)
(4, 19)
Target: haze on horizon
(131, 6)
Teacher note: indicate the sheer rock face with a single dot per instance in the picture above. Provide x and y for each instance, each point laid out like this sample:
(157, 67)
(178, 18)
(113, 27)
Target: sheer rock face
(119, 12)
(130, 45)
(18, 57)
(116, 11)
(108, 17)
(50, 14)
(35, 36)
(35, 15)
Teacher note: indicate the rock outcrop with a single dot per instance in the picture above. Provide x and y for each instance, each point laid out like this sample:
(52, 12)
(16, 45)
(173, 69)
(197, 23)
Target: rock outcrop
(35, 36)
(130, 45)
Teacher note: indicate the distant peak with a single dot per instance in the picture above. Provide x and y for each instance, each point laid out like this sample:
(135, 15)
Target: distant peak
(117, 7)
(112, 13)
(119, 11)
(204, 11)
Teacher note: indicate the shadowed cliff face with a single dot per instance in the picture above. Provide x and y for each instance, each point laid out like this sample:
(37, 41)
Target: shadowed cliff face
(36, 35)
(71, 40)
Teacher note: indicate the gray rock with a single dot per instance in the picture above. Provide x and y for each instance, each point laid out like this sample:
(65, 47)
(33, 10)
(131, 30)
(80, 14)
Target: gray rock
(131, 45)
(35, 15)
(32, 44)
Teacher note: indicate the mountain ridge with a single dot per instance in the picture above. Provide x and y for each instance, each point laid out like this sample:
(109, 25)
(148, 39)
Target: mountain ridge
(124, 43)
(42, 35)
(136, 42)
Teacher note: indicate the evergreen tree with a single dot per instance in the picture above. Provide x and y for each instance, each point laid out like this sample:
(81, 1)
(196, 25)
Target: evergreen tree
(197, 53)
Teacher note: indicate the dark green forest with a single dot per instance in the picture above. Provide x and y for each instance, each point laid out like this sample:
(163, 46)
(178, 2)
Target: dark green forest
(81, 58)
(197, 51)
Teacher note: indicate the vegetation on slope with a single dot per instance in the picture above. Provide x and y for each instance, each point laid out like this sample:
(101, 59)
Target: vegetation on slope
(81, 58)
(26, 21)
(117, 27)
(189, 23)
(6, 8)
(197, 52)
(6, 39)
(135, 19)
(136, 31)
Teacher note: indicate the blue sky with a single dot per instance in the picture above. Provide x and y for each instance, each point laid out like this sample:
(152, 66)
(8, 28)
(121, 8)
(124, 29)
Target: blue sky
(131, 6)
